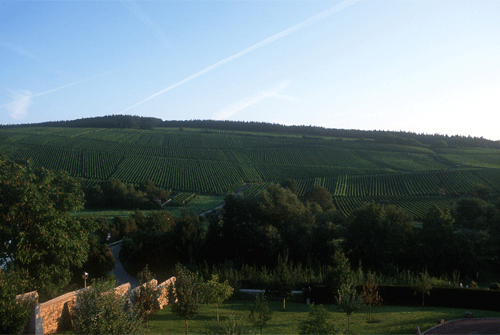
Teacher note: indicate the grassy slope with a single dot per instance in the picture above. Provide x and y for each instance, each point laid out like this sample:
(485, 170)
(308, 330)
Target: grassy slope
(390, 319)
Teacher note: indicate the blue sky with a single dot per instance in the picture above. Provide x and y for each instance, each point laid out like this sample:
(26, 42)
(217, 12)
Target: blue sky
(425, 66)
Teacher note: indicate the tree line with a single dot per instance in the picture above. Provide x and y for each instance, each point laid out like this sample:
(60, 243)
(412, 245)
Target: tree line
(380, 237)
(391, 137)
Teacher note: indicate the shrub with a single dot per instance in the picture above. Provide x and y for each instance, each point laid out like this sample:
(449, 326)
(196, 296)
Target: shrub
(317, 322)
(99, 310)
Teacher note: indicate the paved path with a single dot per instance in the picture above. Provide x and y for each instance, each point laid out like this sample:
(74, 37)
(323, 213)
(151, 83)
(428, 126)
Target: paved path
(122, 277)
(467, 326)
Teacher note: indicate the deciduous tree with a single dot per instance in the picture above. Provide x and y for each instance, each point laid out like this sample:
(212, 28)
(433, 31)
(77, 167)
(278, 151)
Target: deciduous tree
(260, 312)
(187, 295)
(217, 293)
(371, 295)
(37, 234)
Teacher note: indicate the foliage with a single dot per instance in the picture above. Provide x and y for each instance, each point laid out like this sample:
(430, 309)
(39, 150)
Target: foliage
(14, 314)
(162, 241)
(37, 234)
(115, 194)
(100, 310)
(284, 276)
(100, 259)
(320, 195)
(217, 292)
(318, 322)
(186, 297)
(338, 273)
(145, 300)
(371, 295)
(260, 312)
(423, 285)
(380, 234)
(349, 300)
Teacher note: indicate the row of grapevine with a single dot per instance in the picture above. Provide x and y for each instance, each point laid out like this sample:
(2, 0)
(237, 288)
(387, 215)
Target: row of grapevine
(182, 198)
(255, 189)
(209, 177)
(417, 206)
(248, 172)
(422, 183)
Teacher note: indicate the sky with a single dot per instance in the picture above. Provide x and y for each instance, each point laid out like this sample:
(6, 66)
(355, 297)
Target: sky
(423, 66)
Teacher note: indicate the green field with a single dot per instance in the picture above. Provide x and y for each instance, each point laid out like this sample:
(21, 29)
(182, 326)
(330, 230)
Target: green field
(388, 319)
(202, 162)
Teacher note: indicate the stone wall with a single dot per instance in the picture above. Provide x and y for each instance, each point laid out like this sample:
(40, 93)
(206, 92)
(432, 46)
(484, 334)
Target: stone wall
(30, 297)
(49, 314)
(55, 315)
(163, 298)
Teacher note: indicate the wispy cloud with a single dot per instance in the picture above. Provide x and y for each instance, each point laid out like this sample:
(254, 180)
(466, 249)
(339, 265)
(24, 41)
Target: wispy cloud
(274, 92)
(286, 32)
(18, 109)
(22, 99)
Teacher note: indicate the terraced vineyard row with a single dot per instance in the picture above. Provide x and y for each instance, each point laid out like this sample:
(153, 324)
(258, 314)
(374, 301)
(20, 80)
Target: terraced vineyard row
(206, 177)
(421, 183)
(415, 205)
(215, 162)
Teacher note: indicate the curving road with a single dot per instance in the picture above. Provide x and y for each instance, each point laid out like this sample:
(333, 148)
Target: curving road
(122, 277)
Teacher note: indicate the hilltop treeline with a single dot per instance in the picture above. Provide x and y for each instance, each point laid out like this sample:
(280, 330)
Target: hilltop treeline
(392, 137)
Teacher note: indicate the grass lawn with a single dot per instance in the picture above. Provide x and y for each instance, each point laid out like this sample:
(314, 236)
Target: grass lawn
(388, 319)
(200, 204)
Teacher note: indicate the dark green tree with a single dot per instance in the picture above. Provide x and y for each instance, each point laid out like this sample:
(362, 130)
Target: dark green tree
(320, 195)
(37, 233)
(379, 234)
(445, 249)
(100, 259)
(290, 184)
(186, 295)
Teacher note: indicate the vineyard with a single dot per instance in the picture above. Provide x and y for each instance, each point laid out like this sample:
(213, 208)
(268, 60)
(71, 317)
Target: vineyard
(214, 162)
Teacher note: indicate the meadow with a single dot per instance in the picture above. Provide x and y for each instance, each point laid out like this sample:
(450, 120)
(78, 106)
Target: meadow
(197, 163)
(385, 319)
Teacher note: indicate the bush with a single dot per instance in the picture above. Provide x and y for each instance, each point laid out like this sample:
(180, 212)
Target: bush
(99, 310)
(317, 322)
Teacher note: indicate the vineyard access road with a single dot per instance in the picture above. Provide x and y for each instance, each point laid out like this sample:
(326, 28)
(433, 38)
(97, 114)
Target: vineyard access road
(122, 277)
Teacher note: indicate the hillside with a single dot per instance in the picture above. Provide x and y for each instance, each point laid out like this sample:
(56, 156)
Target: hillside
(213, 157)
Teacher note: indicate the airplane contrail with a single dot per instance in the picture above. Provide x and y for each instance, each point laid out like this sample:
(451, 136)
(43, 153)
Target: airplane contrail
(57, 88)
(256, 46)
